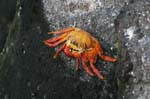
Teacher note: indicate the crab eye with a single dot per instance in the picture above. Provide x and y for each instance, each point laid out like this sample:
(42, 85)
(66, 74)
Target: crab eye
(71, 49)
(75, 43)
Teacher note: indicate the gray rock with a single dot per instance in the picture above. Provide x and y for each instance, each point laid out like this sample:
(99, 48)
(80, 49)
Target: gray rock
(133, 28)
(28, 71)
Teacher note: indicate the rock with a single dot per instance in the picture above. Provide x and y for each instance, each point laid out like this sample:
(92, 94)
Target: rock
(133, 28)
(6, 16)
(96, 17)
(28, 71)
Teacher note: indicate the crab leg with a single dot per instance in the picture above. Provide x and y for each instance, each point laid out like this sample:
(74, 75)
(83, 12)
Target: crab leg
(86, 68)
(104, 57)
(62, 31)
(96, 71)
(56, 38)
(59, 50)
(78, 64)
(54, 44)
(107, 58)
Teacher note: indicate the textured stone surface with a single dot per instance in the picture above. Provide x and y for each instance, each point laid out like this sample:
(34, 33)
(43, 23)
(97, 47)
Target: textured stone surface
(134, 29)
(91, 15)
(27, 70)
(6, 16)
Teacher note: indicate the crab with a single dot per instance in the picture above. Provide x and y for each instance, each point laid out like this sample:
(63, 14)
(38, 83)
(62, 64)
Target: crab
(81, 45)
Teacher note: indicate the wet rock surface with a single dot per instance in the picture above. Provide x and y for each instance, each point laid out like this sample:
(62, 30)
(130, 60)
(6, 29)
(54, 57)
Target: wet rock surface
(28, 71)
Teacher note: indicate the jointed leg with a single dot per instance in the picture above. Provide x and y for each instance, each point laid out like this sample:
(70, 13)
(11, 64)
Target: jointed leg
(96, 71)
(54, 44)
(62, 31)
(104, 57)
(78, 64)
(59, 50)
(56, 38)
(107, 58)
(86, 68)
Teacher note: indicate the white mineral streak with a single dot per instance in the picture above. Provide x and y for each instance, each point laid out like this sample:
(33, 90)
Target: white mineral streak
(129, 33)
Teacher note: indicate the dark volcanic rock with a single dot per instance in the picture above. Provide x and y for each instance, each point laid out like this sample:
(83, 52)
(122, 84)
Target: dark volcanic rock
(7, 12)
(28, 71)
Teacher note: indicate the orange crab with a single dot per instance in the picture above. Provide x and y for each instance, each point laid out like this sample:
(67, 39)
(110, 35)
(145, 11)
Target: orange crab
(81, 45)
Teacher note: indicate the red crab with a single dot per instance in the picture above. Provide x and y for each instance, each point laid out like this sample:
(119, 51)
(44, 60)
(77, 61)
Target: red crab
(81, 45)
